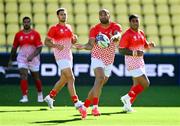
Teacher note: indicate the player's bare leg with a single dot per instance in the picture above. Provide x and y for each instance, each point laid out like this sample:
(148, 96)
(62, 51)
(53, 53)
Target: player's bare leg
(24, 84)
(38, 86)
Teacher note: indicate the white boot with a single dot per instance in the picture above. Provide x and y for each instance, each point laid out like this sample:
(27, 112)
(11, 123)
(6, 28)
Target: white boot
(40, 97)
(24, 99)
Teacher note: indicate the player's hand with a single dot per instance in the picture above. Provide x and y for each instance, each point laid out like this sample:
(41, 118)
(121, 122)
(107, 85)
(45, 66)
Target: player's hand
(140, 53)
(74, 39)
(151, 45)
(115, 38)
(79, 46)
(60, 47)
(29, 59)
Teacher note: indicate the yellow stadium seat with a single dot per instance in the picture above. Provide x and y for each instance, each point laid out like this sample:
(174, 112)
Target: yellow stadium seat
(174, 2)
(45, 49)
(37, 1)
(68, 7)
(148, 9)
(10, 39)
(51, 8)
(52, 19)
(120, 1)
(122, 19)
(160, 1)
(79, 1)
(93, 19)
(155, 39)
(70, 18)
(80, 19)
(150, 20)
(168, 50)
(11, 7)
(147, 1)
(124, 27)
(156, 50)
(164, 20)
(24, 1)
(109, 7)
(3, 40)
(121, 9)
(80, 8)
(133, 1)
(51, 1)
(167, 41)
(165, 30)
(39, 18)
(2, 18)
(82, 29)
(2, 29)
(151, 30)
(175, 20)
(162, 9)
(1, 7)
(12, 28)
(25, 8)
(41, 28)
(174, 9)
(177, 41)
(106, 1)
(22, 15)
(12, 18)
(38, 8)
(92, 1)
(135, 9)
(95, 7)
(176, 30)
(9, 1)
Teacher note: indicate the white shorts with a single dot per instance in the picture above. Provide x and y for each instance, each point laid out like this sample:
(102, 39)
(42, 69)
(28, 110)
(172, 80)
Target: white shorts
(137, 72)
(32, 67)
(95, 63)
(64, 63)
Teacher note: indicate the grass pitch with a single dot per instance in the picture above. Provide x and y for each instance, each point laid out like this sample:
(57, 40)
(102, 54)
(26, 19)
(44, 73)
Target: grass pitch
(68, 116)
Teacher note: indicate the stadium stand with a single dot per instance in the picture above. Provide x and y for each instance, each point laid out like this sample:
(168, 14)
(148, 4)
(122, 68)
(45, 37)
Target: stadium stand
(160, 19)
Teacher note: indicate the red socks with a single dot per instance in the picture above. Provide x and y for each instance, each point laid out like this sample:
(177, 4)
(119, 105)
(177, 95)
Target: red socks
(24, 86)
(53, 93)
(74, 98)
(134, 91)
(87, 103)
(95, 101)
(38, 85)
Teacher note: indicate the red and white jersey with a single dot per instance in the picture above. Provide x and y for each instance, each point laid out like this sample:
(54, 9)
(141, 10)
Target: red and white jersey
(28, 42)
(105, 54)
(134, 41)
(63, 35)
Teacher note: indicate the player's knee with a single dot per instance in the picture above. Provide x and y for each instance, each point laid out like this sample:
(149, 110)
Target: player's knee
(146, 84)
(24, 76)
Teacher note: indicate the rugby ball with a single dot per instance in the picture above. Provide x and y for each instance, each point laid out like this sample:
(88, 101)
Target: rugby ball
(102, 40)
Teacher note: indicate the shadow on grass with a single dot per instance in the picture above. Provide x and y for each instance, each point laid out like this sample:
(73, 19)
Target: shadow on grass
(42, 109)
(58, 121)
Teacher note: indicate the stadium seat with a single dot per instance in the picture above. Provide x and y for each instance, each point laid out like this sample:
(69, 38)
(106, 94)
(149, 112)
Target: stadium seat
(1, 7)
(174, 9)
(2, 18)
(165, 30)
(12, 28)
(105, 1)
(80, 19)
(83, 39)
(156, 50)
(150, 20)
(41, 28)
(79, 1)
(22, 15)
(168, 50)
(160, 1)
(91, 1)
(163, 20)
(80, 8)
(52, 19)
(95, 7)
(120, 2)
(45, 49)
(37, 1)
(176, 30)
(175, 20)
(2, 29)
(70, 18)
(162, 9)
(82, 29)
(11, 7)
(148, 9)
(151, 30)
(122, 19)
(109, 7)
(133, 2)
(167, 41)
(147, 2)
(93, 19)
(177, 41)
(24, 1)
(51, 1)
(12, 18)
(68, 7)
(155, 39)
(3, 40)
(39, 18)
(121, 9)
(135, 9)
(51, 8)
(38, 8)
(25, 8)
(174, 2)
(10, 39)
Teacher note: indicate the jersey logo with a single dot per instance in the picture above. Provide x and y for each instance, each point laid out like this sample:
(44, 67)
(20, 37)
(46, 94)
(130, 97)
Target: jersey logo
(21, 38)
(61, 30)
(32, 37)
(135, 38)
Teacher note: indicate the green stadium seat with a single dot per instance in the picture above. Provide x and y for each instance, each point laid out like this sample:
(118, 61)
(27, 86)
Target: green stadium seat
(12, 18)
(165, 30)
(174, 9)
(11, 7)
(52, 19)
(9, 1)
(164, 20)
(51, 8)
(109, 7)
(10, 39)
(135, 9)
(150, 20)
(133, 2)
(80, 19)
(167, 41)
(1, 8)
(105, 1)
(3, 40)
(176, 30)
(122, 19)
(95, 7)
(156, 50)
(25, 8)
(175, 20)
(66, 1)
(174, 2)
(162, 9)
(93, 19)
(2, 29)
(2, 18)
(80, 8)
(121, 9)
(12, 28)
(37, 1)
(120, 2)
(160, 1)
(79, 1)
(51, 1)
(24, 1)
(147, 2)
(82, 29)
(38, 8)
(148, 9)
(151, 30)
(70, 18)
(91, 1)
(68, 7)
(177, 41)
(41, 28)
(39, 18)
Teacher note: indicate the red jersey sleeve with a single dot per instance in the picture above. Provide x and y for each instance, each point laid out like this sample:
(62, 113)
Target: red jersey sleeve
(124, 42)
(117, 27)
(92, 33)
(38, 42)
(51, 32)
(16, 41)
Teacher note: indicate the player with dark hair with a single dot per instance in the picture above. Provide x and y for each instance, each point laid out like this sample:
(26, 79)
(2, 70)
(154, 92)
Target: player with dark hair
(60, 37)
(28, 57)
(132, 46)
(101, 58)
